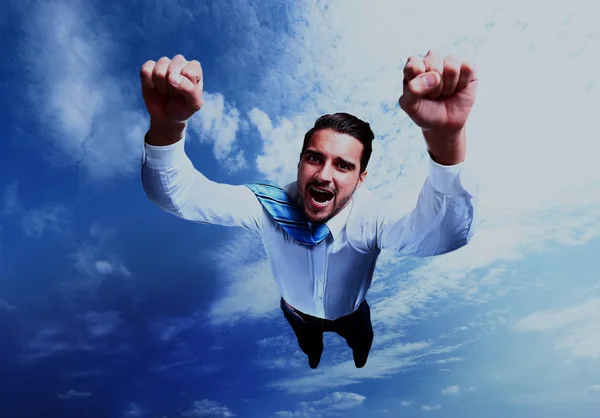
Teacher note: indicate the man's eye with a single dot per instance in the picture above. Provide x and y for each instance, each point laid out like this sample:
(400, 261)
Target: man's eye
(312, 158)
(344, 166)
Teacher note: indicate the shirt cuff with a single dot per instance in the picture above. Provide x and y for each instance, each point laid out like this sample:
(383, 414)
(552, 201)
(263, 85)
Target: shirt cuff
(163, 157)
(450, 179)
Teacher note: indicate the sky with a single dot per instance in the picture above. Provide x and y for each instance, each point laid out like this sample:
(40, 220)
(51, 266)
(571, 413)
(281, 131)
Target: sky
(110, 307)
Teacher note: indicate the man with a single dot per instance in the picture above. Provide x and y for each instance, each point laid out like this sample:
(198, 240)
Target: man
(324, 232)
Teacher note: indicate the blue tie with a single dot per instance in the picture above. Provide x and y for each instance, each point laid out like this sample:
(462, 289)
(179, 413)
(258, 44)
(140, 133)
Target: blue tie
(288, 214)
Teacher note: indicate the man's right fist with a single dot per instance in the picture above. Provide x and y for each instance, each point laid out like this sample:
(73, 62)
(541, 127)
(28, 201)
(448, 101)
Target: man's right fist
(172, 89)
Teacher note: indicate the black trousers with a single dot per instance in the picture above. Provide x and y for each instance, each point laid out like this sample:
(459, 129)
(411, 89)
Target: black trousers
(355, 328)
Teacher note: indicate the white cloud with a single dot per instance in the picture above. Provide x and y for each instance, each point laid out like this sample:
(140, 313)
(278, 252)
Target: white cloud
(406, 403)
(87, 261)
(87, 111)
(101, 324)
(44, 343)
(209, 409)
(100, 232)
(275, 342)
(35, 222)
(134, 410)
(104, 267)
(93, 265)
(10, 201)
(218, 123)
(337, 401)
(593, 389)
(383, 362)
(577, 327)
(5, 306)
(167, 329)
(78, 394)
(110, 267)
(451, 390)
(280, 352)
(560, 397)
(431, 407)
(449, 360)
(48, 217)
(282, 142)
(253, 296)
(75, 394)
(555, 319)
(250, 290)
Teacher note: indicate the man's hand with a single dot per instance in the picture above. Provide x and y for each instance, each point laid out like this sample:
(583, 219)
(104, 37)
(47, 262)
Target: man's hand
(438, 96)
(172, 92)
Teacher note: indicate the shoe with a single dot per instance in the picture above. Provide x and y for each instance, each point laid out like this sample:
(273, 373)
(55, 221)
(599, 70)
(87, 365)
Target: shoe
(359, 360)
(314, 360)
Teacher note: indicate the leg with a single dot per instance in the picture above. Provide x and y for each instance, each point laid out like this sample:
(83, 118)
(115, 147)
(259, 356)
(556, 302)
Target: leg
(357, 330)
(309, 335)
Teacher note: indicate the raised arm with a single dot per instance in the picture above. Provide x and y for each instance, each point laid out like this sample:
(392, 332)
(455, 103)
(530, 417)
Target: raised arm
(172, 92)
(438, 95)
(443, 219)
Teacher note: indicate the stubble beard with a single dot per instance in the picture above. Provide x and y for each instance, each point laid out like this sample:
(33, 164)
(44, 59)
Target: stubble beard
(337, 208)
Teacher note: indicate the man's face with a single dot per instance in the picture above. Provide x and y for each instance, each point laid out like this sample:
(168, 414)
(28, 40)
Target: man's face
(328, 174)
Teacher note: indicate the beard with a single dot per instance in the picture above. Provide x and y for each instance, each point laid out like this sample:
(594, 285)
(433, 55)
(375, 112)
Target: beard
(337, 203)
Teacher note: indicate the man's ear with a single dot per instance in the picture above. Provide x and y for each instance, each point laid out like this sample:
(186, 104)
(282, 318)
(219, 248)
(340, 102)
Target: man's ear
(361, 178)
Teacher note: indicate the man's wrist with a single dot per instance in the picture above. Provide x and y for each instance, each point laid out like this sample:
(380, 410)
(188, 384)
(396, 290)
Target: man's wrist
(162, 132)
(446, 147)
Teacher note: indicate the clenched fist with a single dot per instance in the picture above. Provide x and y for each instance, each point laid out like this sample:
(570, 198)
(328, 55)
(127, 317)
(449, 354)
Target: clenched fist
(439, 92)
(172, 89)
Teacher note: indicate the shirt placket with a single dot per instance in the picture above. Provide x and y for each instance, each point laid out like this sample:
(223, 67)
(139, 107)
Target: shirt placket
(320, 277)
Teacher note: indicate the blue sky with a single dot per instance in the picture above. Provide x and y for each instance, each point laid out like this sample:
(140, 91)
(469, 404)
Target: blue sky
(111, 308)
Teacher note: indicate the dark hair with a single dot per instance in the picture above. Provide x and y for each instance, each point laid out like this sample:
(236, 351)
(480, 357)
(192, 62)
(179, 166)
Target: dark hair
(346, 124)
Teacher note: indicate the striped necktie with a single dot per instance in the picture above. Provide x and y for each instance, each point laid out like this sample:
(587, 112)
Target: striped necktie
(288, 214)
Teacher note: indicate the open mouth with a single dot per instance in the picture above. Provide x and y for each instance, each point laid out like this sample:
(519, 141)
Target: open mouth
(320, 196)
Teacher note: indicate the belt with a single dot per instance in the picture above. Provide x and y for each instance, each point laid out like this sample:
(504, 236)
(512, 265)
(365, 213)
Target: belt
(305, 316)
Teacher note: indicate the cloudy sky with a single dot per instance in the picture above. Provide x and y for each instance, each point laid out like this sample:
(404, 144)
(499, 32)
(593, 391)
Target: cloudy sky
(110, 307)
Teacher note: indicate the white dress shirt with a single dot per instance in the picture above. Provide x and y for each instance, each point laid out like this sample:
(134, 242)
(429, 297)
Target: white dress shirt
(331, 279)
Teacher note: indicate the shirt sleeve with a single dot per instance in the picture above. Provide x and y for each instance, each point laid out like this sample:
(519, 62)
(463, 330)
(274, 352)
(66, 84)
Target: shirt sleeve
(443, 219)
(171, 181)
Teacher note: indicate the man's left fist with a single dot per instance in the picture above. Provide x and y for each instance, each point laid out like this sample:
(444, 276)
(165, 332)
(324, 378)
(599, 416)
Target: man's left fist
(438, 92)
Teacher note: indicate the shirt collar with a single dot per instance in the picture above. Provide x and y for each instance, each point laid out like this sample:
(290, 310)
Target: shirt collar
(335, 224)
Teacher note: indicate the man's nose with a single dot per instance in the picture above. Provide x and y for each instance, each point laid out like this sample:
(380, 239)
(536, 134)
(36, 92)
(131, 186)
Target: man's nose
(326, 173)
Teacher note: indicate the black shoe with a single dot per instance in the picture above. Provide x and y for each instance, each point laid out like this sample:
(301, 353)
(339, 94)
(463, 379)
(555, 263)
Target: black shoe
(360, 359)
(314, 360)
